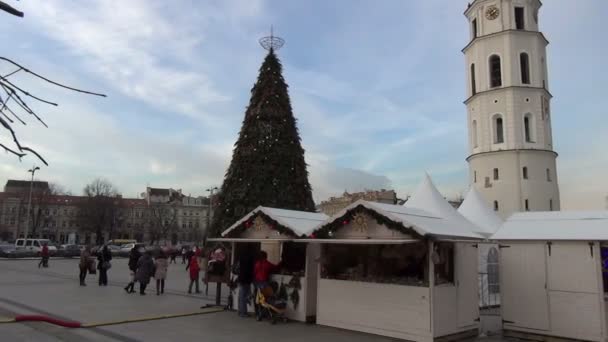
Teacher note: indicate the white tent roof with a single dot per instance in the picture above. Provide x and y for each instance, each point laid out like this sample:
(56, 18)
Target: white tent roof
(555, 225)
(300, 222)
(428, 198)
(423, 222)
(475, 209)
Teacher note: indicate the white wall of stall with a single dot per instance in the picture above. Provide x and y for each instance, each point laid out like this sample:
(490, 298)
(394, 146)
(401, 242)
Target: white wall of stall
(553, 289)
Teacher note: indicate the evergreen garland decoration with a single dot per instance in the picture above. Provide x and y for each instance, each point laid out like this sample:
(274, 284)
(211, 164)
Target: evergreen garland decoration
(335, 225)
(272, 224)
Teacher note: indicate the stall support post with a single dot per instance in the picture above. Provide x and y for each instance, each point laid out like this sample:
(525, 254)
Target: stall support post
(218, 293)
(431, 248)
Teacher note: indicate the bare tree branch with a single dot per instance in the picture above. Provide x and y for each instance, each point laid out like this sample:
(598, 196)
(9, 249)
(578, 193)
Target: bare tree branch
(26, 93)
(12, 93)
(20, 155)
(50, 81)
(7, 8)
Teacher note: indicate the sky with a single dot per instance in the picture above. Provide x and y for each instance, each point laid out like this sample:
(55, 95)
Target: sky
(377, 88)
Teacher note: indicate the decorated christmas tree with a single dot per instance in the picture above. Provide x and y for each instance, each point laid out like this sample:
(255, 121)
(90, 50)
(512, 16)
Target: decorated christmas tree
(267, 166)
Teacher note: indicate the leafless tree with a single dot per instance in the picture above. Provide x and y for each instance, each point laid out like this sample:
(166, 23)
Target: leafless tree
(41, 200)
(10, 91)
(102, 210)
(162, 221)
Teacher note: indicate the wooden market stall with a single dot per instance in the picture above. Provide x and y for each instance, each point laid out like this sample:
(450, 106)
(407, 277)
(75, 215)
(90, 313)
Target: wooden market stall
(398, 272)
(553, 275)
(274, 231)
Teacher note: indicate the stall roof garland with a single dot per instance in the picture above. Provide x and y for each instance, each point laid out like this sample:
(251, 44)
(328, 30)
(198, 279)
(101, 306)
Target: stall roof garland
(272, 223)
(338, 223)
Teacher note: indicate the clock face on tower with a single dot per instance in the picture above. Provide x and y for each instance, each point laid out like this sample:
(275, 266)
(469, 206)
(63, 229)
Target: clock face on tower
(492, 12)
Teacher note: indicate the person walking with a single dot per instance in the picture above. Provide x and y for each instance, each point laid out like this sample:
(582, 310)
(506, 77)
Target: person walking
(161, 272)
(44, 256)
(183, 255)
(85, 259)
(134, 256)
(194, 273)
(204, 265)
(103, 265)
(245, 278)
(173, 255)
(145, 270)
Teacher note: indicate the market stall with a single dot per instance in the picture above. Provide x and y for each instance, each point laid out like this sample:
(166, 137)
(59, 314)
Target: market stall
(274, 231)
(553, 275)
(398, 272)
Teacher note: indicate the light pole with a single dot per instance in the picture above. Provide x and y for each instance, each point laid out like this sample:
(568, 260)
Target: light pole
(210, 190)
(29, 202)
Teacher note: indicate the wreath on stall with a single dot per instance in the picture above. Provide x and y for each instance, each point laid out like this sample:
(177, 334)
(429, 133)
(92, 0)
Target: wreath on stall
(357, 215)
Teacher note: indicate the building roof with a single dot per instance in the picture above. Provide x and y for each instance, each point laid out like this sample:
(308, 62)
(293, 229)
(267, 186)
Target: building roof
(301, 223)
(475, 209)
(555, 225)
(423, 222)
(427, 198)
(159, 192)
(12, 183)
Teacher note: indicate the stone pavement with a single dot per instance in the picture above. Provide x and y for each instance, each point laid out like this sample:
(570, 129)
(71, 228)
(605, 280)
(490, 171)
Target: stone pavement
(25, 289)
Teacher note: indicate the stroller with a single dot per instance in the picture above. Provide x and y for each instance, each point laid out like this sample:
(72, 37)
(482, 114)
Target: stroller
(268, 305)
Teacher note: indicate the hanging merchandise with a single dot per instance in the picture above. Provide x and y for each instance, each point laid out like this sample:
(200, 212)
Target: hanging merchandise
(295, 298)
(282, 295)
(295, 283)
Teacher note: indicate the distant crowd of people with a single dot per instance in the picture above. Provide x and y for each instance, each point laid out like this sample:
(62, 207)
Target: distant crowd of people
(143, 266)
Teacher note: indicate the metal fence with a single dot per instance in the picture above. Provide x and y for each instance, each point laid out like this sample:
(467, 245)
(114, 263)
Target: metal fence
(489, 292)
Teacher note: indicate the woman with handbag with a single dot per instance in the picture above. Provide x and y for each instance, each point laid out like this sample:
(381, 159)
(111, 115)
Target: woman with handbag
(160, 273)
(103, 265)
(145, 270)
(83, 265)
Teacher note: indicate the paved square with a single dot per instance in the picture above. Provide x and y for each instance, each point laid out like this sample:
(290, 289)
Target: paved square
(26, 289)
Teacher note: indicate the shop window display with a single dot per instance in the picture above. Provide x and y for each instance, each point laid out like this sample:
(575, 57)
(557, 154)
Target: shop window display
(443, 258)
(402, 264)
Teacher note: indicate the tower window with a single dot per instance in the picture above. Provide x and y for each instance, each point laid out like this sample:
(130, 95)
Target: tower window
(495, 205)
(474, 28)
(474, 176)
(527, 206)
(551, 205)
(473, 87)
(519, 18)
(527, 128)
(474, 132)
(525, 172)
(495, 174)
(495, 72)
(524, 63)
(548, 175)
(499, 136)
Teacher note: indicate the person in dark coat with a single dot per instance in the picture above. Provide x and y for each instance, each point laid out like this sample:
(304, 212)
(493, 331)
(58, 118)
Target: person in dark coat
(145, 270)
(133, 259)
(103, 265)
(245, 278)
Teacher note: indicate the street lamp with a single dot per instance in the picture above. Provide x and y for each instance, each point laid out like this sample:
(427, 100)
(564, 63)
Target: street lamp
(210, 190)
(29, 202)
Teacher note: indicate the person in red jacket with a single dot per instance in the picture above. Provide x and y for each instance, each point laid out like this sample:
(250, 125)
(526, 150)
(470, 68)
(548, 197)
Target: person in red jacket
(262, 270)
(194, 273)
(44, 253)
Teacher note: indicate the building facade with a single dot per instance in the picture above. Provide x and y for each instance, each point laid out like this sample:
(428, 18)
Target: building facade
(335, 204)
(511, 158)
(57, 217)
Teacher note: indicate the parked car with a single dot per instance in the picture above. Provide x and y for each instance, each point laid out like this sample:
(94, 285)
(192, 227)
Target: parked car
(35, 245)
(7, 251)
(129, 246)
(69, 251)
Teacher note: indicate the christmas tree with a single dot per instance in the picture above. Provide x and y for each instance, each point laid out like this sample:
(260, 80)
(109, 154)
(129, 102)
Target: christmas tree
(267, 166)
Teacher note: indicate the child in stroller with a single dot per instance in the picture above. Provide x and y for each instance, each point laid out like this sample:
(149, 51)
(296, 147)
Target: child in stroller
(269, 305)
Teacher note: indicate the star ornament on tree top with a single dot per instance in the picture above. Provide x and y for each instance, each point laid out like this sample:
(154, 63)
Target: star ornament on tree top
(272, 43)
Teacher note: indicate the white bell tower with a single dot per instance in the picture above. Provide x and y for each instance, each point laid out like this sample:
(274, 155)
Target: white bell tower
(511, 158)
